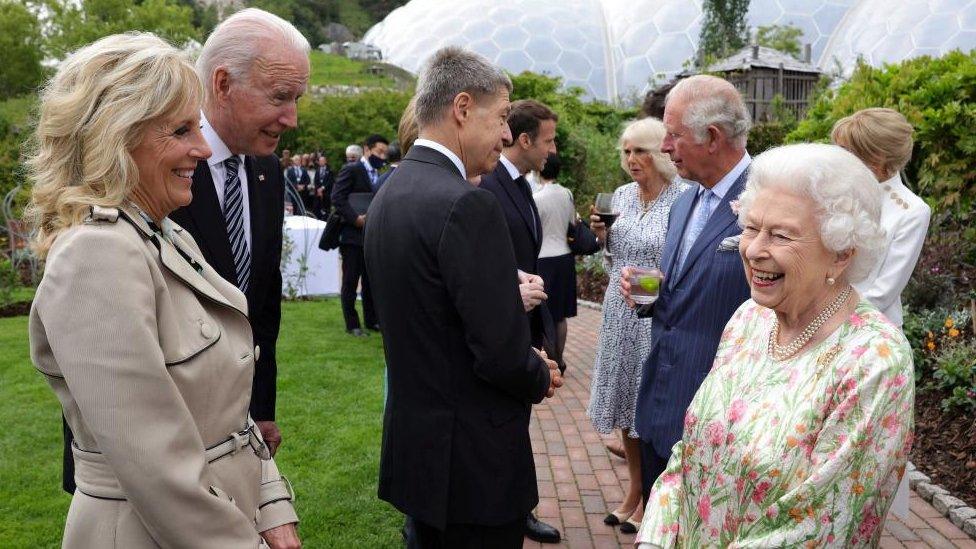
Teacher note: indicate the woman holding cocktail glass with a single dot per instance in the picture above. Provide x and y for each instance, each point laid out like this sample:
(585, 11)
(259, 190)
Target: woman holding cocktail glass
(635, 238)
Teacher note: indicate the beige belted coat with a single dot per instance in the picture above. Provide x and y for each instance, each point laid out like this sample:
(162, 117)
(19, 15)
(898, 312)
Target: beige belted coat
(150, 354)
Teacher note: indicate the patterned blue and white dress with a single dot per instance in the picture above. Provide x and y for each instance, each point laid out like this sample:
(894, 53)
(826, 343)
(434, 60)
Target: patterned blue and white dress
(636, 239)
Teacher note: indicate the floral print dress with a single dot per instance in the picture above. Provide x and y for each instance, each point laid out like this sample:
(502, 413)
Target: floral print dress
(806, 452)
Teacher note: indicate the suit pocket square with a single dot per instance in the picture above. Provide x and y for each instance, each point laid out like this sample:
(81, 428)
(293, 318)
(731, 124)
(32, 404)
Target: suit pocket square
(730, 244)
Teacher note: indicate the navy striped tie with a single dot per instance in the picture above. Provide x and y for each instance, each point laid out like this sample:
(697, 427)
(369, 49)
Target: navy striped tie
(234, 216)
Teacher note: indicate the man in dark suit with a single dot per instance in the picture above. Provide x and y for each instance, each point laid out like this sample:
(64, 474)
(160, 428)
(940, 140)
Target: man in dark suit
(533, 128)
(456, 456)
(323, 183)
(299, 182)
(704, 282)
(357, 177)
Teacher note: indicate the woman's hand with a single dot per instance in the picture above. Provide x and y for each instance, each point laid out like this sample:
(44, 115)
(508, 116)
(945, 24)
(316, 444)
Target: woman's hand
(282, 537)
(625, 273)
(597, 226)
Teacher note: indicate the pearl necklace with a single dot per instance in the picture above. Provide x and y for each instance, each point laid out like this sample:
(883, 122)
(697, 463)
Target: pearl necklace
(783, 352)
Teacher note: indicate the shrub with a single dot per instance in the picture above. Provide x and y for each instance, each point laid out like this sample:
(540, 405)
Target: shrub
(9, 281)
(938, 96)
(944, 349)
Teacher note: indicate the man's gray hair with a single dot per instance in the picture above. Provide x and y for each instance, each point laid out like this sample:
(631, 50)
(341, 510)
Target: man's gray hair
(712, 101)
(354, 150)
(846, 197)
(450, 71)
(241, 39)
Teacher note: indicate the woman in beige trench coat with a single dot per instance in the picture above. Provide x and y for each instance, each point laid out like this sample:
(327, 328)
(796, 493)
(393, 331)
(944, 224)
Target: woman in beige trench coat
(147, 348)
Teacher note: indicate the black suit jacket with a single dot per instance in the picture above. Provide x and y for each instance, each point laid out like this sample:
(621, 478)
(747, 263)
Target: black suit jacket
(325, 181)
(204, 219)
(462, 376)
(521, 214)
(352, 178)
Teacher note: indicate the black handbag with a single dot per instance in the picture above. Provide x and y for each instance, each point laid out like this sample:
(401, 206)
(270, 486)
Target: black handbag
(330, 236)
(581, 239)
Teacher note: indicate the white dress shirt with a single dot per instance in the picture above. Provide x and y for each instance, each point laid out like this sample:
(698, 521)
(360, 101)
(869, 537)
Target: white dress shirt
(445, 151)
(905, 219)
(219, 173)
(512, 170)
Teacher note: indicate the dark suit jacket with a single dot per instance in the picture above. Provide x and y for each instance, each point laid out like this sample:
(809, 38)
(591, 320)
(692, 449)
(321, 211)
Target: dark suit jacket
(462, 376)
(383, 177)
(521, 214)
(689, 318)
(326, 181)
(352, 178)
(205, 221)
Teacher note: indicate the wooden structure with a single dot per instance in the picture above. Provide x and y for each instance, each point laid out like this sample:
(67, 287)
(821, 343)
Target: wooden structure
(762, 73)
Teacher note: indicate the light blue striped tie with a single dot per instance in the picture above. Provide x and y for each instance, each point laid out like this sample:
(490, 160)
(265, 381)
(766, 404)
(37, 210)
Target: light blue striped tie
(234, 216)
(701, 218)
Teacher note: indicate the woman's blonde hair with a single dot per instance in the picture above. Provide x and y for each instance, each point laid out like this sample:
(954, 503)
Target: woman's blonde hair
(408, 131)
(881, 138)
(648, 133)
(93, 112)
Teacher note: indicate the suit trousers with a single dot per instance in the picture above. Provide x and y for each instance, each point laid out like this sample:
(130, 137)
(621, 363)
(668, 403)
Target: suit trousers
(466, 536)
(354, 270)
(652, 465)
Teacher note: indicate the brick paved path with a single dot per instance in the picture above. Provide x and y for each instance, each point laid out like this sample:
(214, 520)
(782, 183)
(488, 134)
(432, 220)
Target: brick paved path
(579, 481)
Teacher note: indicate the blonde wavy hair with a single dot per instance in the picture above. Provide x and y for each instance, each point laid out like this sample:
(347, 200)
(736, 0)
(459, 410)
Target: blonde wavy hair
(93, 112)
(881, 138)
(647, 133)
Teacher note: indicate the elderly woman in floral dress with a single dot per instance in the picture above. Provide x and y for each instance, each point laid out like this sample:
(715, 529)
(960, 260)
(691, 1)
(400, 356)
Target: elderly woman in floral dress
(800, 433)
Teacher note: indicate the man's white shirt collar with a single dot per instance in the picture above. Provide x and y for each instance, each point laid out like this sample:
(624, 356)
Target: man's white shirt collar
(446, 152)
(219, 150)
(512, 170)
(724, 184)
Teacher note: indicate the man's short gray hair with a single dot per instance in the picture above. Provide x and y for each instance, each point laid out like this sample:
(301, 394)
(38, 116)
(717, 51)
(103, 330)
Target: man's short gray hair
(845, 194)
(712, 101)
(241, 39)
(354, 150)
(450, 71)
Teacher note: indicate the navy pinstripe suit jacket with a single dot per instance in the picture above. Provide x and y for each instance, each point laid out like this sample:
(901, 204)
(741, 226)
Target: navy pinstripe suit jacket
(689, 317)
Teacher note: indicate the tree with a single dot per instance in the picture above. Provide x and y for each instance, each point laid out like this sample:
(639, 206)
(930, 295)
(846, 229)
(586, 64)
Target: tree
(724, 30)
(21, 47)
(75, 24)
(785, 38)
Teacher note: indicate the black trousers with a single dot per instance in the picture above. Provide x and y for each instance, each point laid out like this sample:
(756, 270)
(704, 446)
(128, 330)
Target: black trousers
(354, 269)
(652, 465)
(466, 536)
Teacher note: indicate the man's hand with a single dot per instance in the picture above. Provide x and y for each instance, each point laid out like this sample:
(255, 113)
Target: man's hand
(532, 295)
(625, 274)
(524, 278)
(282, 537)
(320, 192)
(361, 222)
(555, 377)
(270, 434)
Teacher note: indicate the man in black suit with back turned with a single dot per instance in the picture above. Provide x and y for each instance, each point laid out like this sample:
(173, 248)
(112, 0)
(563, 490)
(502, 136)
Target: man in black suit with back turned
(324, 182)
(357, 177)
(456, 455)
(533, 129)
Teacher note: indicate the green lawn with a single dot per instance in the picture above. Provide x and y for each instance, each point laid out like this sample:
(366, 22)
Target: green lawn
(330, 69)
(330, 402)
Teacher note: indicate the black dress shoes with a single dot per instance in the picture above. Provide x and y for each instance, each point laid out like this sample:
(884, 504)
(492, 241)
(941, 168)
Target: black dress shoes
(537, 530)
(356, 332)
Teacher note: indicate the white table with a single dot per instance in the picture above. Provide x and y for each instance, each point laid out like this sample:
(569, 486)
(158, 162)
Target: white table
(322, 276)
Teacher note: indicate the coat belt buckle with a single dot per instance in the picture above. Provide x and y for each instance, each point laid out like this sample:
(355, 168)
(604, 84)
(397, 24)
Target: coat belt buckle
(241, 439)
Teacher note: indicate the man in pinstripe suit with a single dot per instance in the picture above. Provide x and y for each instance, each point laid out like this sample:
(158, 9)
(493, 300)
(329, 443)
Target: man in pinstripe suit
(707, 124)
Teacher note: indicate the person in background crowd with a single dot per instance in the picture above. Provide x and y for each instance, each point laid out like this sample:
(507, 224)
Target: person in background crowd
(707, 125)
(636, 239)
(393, 157)
(148, 349)
(354, 153)
(533, 129)
(356, 177)
(557, 264)
(323, 182)
(799, 434)
(286, 158)
(882, 139)
(456, 453)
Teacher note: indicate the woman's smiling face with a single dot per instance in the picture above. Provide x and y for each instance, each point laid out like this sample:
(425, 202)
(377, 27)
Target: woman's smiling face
(784, 257)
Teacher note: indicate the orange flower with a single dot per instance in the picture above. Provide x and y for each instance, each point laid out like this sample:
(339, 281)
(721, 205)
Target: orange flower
(883, 350)
(665, 500)
(930, 345)
(949, 323)
(858, 488)
(774, 473)
(953, 332)
(801, 428)
(791, 442)
(931, 335)
(797, 514)
(855, 474)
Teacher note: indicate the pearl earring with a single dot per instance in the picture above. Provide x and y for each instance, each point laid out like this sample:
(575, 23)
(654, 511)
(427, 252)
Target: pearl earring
(830, 281)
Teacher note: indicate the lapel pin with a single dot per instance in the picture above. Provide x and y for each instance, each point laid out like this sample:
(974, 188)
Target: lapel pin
(260, 177)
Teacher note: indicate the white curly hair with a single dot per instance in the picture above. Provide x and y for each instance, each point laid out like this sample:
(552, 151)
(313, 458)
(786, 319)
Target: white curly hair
(847, 197)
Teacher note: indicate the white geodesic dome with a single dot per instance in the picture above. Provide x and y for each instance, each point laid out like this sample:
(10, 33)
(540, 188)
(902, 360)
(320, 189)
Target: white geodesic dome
(619, 48)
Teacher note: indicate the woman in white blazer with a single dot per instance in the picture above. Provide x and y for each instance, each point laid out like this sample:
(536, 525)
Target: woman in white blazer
(147, 348)
(882, 139)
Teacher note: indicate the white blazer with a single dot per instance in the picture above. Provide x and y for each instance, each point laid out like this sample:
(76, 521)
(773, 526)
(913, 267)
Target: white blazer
(905, 219)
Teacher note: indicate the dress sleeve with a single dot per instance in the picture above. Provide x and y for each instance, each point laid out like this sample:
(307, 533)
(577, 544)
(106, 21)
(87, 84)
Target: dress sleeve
(858, 456)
